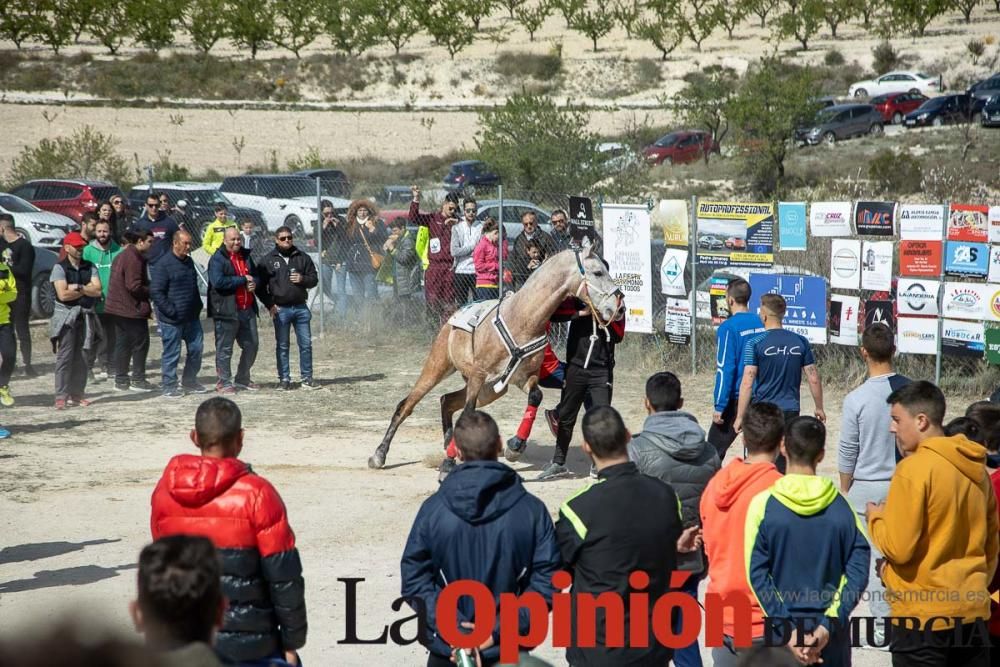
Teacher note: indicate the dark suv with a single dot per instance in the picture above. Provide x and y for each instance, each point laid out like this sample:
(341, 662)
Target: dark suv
(941, 110)
(71, 198)
(841, 121)
(470, 172)
(333, 182)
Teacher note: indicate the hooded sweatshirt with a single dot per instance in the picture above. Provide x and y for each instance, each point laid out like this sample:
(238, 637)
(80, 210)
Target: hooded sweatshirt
(723, 518)
(481, 525)
(938, 532)
(243, 515)
(805, 515)
(672, 447)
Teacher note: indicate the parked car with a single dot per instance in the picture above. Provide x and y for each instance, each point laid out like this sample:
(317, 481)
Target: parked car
(333, 182)
(711, 242)
(43, 294)
(616, 157)
(898, 82)
(680, 147)
(894, 106)
(941, 110)
(989, 115)
(839, 122)
(71, 198)
(470, 173)
(200, 200)
(41, 228)
(280, 199)
(736, 243)
(981, 91)
(513, 209)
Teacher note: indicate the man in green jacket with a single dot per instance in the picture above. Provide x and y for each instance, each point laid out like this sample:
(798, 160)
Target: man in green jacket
(101, 252)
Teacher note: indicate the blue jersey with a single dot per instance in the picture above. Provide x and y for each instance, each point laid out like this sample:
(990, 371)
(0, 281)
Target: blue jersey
(779, 355)
(731, 339)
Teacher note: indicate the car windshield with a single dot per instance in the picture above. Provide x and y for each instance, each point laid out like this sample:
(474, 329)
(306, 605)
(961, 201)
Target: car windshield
(826, 116)
(921, 75)
(668, 140)
(288, 188)
(104, 193)
(13, 204)
(199, 197)
(880, 99)
(934, 103)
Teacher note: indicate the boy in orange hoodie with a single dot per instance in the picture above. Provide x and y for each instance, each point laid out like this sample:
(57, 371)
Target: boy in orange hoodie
(723, 516)
(938, 532)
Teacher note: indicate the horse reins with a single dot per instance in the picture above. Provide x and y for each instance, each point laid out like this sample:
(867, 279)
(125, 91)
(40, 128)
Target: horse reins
(583, 293)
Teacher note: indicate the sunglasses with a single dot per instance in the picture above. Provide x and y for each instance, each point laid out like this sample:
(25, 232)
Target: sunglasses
(284, 238)
(156, 205)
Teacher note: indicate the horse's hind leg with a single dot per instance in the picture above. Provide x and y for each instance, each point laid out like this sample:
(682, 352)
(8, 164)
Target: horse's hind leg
(437, 367)
(519, 441)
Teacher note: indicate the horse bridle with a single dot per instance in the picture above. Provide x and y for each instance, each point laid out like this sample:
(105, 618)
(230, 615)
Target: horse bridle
(585, 288)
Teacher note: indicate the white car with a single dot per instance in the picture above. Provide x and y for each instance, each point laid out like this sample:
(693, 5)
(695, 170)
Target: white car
(898, 82)
(281, 200)
(40, 227)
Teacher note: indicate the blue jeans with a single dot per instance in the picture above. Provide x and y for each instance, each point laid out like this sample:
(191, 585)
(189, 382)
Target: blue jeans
(487, 293)
(172, 335)
(335, 286)
(299, 317)
(690, 655)
(362, 287)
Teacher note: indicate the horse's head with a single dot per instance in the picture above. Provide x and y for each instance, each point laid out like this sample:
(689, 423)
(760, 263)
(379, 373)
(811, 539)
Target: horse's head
(596, 288)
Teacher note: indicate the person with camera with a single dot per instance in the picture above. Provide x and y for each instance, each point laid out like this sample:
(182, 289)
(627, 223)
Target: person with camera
(439, 278)
(364, 237)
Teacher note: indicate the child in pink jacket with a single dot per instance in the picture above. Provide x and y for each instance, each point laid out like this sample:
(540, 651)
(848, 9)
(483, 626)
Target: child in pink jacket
(486, 259)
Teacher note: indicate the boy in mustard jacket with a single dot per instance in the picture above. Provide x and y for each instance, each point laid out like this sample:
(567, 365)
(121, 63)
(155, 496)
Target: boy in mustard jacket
(938, 532)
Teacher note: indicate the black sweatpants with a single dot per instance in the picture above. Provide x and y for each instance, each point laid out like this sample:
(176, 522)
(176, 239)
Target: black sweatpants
(8, 353)
(959, 647)
(722, 436)
(20, 315)
(579, 381)
(131, 348)
(104, 352)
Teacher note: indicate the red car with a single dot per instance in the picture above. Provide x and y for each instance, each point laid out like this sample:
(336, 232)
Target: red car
(893, 106)
(680, 147)
(736, 243)
(71, 198)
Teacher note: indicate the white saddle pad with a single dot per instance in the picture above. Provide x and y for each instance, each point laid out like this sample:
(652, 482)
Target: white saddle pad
(469, 317)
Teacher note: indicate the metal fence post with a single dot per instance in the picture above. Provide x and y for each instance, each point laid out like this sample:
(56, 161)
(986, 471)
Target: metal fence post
(940, 299)
(693, 240)
(319, 247)
(503, 240)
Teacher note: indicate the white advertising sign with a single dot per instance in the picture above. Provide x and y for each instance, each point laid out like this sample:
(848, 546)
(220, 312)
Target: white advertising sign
(876, 265)
(626, 249)
(920, 222)
(845, 264)
(830, 218)
(916, 296)
(917, 335)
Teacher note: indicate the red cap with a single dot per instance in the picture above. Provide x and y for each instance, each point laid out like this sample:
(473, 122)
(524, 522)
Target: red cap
(74, 239)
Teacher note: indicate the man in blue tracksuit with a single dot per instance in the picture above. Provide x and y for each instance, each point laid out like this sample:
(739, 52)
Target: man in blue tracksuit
(804, 514)
(480, 525)
(731, 338)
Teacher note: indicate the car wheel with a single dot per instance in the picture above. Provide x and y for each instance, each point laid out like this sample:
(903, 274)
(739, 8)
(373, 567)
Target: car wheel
(295, 224)
(861, 92)
(829, 138)
(43, 298)
(875, 130)
(897, 118)
(937, 122)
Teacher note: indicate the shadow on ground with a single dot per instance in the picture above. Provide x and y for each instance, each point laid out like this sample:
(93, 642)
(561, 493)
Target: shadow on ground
(40, 550)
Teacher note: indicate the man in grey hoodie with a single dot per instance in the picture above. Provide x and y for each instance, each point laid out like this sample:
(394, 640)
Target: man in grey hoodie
(672, 447)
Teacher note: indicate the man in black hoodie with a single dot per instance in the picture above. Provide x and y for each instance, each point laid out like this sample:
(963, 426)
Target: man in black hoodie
(480, 525)
(286, 275)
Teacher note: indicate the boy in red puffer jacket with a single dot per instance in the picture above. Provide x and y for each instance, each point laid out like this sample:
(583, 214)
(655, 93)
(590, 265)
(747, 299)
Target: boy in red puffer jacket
(215, 495)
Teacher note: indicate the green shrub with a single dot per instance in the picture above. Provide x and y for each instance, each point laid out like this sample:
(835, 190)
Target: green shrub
(885, 58)
(647, 73)
(896, 173)
(833, 58)
(517, 65)
(87, 153)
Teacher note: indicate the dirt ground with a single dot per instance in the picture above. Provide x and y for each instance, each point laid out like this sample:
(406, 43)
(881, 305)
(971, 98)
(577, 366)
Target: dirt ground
(75, 485)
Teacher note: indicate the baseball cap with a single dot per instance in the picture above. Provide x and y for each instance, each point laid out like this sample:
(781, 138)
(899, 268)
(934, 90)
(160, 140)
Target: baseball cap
(74, 239)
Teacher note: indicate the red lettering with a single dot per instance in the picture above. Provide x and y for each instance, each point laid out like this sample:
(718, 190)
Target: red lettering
(741, 611)
(562, 610)
(484, 615)
(638, 609)
(537, 623)
(586, 619)
(688, 608)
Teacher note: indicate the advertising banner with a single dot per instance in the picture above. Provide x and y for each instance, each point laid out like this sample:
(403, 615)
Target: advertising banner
(968, 223)
(805, 297)
(581, 219)
(735, 234)
(966, 259)
(917, 335)
(830, 218)
(994, 273)
(876, 265)
(964, 301)
(626, 248)
(672, 216)
(792, 225)
(920, 258)
(991, 303)
(921, 222)
(717, 299)
(879, 312)
(678, 321)
(992, 340)
(917, 296)
(875, 218)
(993, 220)
(845, 264)
(844, 319)
(962, 339)
(672, 270)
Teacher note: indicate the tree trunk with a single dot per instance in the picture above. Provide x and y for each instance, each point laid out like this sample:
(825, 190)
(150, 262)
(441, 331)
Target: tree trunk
(595, 44)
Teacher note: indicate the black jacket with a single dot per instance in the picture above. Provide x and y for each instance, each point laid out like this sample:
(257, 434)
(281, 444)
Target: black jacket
(519, 254)
(22, 261)
(624, 523)
(173, 288)
(223, 283)
(358, 259)
(481, 525)
(276, 287)
(578, 339)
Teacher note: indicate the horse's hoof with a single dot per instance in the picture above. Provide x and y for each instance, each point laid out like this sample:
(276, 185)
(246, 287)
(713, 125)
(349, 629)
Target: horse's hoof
(515, 447)
(376, 461)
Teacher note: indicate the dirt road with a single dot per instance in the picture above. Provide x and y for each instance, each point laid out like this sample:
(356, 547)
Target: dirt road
(75, 486)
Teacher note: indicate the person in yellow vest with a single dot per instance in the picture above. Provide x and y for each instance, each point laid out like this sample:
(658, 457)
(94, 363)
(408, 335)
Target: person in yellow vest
(8, 346)
(422, 242)
(216, 230)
